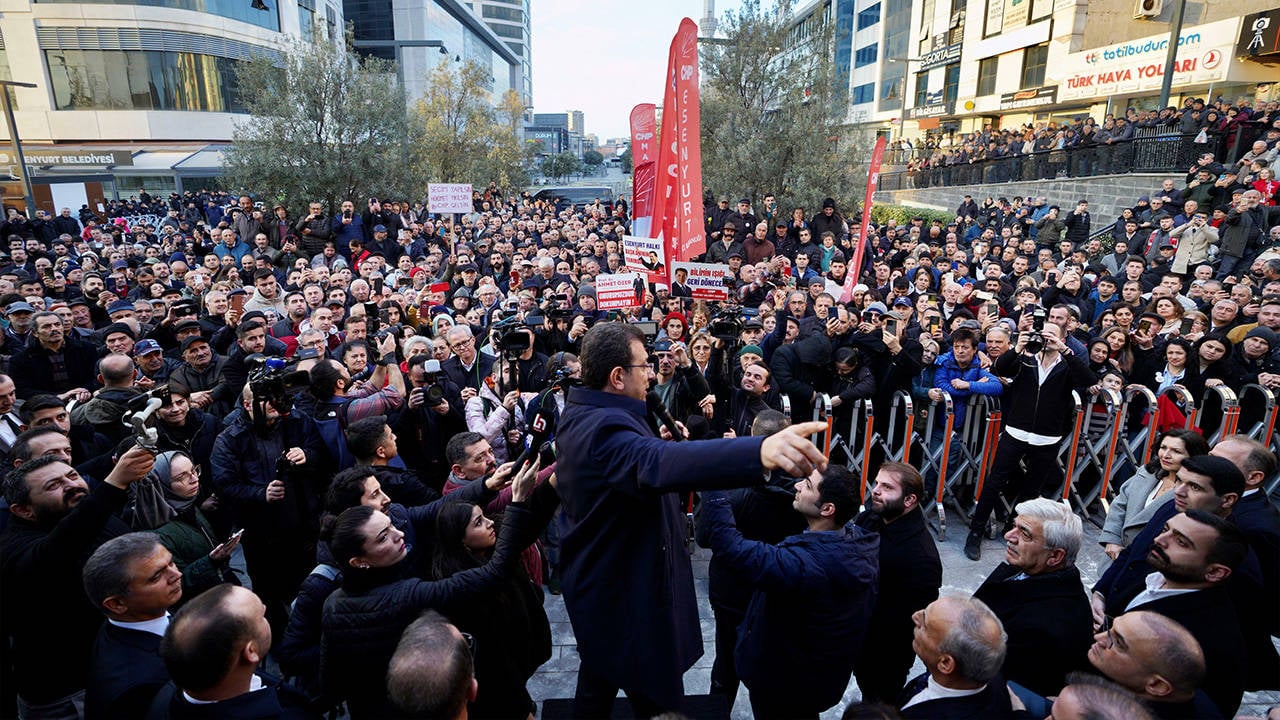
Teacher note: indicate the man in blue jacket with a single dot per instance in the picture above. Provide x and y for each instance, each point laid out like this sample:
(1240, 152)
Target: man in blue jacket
(814, 594)
(626, 577)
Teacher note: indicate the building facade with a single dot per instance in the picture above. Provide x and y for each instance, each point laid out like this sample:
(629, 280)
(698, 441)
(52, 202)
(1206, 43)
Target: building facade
(129, 96)
(419, 34)
(965, 64)
(509, 20)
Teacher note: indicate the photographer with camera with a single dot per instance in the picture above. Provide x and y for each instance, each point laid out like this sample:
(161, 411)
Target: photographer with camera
(1043, 372)
(497, 411)
(427, 421)
(516, 344)
(269, 466)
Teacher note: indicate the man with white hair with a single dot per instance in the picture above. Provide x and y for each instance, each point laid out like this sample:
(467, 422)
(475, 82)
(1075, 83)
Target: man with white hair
(962, 645)
(1039, 597)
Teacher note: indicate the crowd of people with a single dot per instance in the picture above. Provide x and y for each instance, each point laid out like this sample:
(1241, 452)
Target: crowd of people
(268, 462)
(1083, 146)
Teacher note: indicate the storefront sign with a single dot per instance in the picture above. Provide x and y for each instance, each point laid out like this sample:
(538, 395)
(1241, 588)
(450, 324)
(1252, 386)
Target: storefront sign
(1035, 97)
(43, 156)
(1260, 34)
(1138, 65)
(940, 57)
(937, 109)
(1015, 14)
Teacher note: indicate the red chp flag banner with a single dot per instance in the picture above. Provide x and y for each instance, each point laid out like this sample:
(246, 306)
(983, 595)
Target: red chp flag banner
(644, 158)
(677, 216)
(860, 242)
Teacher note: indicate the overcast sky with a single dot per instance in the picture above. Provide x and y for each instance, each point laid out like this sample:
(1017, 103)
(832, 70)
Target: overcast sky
(604, 58)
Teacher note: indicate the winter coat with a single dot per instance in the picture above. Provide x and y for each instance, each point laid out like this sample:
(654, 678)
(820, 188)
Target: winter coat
(364, 619)
(1193, 246)
(1048, 610)
(190, 538)
(1041, 408)
(622, 538)
(1126, 519)
(980, 382)
(49, 621)
(832, 575)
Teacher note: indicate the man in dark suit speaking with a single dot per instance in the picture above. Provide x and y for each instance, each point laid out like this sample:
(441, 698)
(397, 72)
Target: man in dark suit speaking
(627, 581)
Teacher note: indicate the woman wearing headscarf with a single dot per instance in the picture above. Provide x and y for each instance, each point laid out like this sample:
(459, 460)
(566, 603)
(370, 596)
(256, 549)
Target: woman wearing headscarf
(166, 502)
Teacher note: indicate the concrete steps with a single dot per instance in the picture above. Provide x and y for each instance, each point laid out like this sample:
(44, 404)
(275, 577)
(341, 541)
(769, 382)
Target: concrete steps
(1107, 194)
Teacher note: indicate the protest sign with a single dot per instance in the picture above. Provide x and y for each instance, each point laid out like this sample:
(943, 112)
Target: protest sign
(706, 280)
(645, 256)
(449, 197)
(624, 290)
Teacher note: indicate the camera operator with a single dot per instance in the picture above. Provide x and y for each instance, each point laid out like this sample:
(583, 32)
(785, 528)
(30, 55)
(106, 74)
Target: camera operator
(426, 426)
(680, 386)
(518, 349)
(269, 468)
(251, 338)
(1037, 404)
(333, 385)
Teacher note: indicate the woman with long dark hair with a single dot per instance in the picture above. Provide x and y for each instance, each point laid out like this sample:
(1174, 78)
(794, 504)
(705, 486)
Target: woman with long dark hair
(1141, 495)
(509, 617)
(380, 597)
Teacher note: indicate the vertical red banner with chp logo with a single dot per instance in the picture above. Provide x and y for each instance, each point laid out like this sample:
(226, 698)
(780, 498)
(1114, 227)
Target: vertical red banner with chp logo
(860, 242)
(644, 169)
(678, 212)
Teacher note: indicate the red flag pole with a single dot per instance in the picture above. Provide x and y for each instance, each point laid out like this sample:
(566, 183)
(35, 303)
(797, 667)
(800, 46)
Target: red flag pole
(678, 211)
(860, 242)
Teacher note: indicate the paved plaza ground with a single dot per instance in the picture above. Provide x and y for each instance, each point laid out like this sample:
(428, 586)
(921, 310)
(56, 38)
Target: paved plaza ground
(557, 677)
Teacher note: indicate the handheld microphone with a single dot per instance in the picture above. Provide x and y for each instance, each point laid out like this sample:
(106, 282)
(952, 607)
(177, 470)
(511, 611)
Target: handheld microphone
(654, 404)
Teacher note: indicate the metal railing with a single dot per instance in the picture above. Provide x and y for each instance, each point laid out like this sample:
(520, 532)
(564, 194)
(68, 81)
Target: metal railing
(1112, 435)
(1151, 151)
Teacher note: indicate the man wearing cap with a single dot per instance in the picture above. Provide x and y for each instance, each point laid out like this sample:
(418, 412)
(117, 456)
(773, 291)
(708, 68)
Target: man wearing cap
(727, 245)
(717, 216)
(153, 367)
(17, 335)
(53, 363)
(201, 372)
(379, 245)
(742, 218)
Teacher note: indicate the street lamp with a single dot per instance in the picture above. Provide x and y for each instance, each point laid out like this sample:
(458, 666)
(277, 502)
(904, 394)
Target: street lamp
(399, 46)
(28, 196)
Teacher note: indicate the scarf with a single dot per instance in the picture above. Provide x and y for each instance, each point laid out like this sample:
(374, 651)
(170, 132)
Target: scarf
(153, 502)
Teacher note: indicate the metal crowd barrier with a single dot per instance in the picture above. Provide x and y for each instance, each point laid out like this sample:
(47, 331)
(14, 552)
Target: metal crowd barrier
(1093, 453)
(822, 413)
(1182, 397)
(862, 441)
(976, 440)
(1219, 398)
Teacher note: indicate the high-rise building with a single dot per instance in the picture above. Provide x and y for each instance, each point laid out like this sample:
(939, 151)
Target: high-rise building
(134, 95)
(509, 20)
(419, 34)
